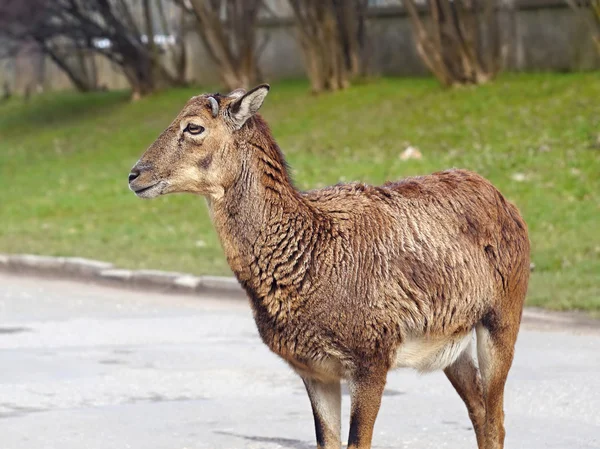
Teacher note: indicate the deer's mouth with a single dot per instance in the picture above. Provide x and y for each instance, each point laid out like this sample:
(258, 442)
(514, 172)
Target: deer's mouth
(150, 191)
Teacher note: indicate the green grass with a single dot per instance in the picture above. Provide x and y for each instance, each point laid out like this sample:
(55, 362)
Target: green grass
(64, 160)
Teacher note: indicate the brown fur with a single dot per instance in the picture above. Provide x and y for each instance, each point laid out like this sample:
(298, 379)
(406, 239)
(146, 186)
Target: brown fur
(347, 281)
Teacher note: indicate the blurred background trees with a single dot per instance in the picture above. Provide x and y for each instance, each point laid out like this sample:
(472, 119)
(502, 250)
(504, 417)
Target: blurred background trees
(71, 32)
(155, 44)
(30, 22)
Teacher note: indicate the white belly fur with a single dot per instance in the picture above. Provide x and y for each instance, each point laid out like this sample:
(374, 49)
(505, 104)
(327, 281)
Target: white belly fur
(431, 354)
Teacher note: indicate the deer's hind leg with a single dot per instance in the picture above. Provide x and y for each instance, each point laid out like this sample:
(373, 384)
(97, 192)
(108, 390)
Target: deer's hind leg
(466, 380)
(495, 350)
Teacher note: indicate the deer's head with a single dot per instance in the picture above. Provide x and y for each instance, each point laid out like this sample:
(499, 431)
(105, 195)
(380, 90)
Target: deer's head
(197, 152)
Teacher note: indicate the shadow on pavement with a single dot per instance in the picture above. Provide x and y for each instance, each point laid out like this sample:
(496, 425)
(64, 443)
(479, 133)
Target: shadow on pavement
(285, 442)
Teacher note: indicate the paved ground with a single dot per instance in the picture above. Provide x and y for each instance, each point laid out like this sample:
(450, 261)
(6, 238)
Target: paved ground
(84, 366)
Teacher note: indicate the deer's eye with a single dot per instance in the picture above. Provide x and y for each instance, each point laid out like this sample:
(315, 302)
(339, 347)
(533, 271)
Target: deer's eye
(194, 129)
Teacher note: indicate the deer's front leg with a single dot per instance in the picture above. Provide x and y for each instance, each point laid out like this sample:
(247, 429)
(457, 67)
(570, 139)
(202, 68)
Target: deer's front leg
(326, 401)
(366, 390)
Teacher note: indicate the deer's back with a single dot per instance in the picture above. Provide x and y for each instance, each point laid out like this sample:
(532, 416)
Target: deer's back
(426, 256)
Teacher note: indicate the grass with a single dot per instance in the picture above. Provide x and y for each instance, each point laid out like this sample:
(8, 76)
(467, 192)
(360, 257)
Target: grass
(64, 160)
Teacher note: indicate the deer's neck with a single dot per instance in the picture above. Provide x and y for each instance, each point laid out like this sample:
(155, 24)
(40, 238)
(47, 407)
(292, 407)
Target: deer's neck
(259, 220)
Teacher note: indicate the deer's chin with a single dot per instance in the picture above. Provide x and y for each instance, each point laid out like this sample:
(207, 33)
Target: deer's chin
(151, 191)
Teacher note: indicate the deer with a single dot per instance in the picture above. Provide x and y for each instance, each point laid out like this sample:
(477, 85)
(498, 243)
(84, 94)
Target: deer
(351, 281)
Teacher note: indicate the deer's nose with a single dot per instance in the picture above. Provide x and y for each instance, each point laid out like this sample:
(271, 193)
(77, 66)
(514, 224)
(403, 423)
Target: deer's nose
(133, 175)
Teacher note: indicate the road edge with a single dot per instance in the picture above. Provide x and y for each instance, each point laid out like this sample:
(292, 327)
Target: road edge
(90, 270)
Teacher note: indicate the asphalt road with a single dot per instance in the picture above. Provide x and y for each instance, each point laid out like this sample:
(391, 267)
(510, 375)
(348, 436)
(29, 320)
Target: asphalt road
(90, 367)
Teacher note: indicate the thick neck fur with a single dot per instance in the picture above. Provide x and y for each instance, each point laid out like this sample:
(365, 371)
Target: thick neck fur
(258, 219)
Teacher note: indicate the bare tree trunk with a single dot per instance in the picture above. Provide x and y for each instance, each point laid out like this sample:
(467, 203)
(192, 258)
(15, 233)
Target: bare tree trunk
(177, 52)
(596, 10)
(462, 43)
(149, 25)
(429, 43)
(321, 44)
(180, 54)
(589, 12)
(6, 91)
(228, 31)
(93, 68)
(142, 83)
(331, 34)
(81, 82)
(86, 65)
(351, 16)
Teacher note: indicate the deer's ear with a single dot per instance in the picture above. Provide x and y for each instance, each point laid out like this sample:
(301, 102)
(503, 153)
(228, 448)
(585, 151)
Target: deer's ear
(247, 105)
(238, 93)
